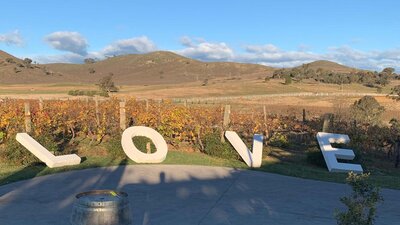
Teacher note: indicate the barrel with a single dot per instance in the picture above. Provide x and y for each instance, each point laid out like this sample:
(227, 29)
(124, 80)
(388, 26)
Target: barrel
(101, 207)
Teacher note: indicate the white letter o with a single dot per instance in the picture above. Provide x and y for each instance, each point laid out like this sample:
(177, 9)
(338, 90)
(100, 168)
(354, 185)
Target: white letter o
(135, 154)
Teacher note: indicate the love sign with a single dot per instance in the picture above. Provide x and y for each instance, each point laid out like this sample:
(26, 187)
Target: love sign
(253, 158)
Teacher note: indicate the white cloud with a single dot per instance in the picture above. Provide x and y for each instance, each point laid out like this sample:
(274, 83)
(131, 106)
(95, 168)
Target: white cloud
(128, 46)
(76, 45)
(12, 38)
(68, 41)
(268, 54)
(203, 50)
(268, 48)
(62, 58)
(186, 41)
(271, 55)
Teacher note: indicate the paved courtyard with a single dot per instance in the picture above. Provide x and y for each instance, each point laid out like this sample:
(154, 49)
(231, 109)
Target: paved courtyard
(170, 194)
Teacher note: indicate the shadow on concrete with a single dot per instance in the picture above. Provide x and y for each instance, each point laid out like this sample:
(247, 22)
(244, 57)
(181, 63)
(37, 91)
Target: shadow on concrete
(171, 194)
(27, 172)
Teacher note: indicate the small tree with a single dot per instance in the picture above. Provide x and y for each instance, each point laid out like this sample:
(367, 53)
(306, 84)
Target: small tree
(361, 204)
(27, 61)
(288, 79)
(89, 61)
(367, 110)
(106, 84)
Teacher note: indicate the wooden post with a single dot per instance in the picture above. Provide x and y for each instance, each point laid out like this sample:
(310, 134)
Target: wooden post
(327, 122)
(227, 114)
(28, 122)
(41, 104)
(147, 105)
(122, 115)
(96, 102)
(226, 122)
(265, 114)
(304, 115)
(148, 148)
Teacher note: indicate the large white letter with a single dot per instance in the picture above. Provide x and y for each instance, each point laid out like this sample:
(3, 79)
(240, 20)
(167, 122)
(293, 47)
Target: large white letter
(44, 155)
(331, 154)
(133, 153)
(252, 159)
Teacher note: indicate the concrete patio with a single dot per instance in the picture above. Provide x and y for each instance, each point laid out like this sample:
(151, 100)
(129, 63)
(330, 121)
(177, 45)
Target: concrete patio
(171, 194)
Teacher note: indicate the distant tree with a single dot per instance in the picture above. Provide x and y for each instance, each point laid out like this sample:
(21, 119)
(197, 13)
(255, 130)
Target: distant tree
(92, 70)
(388, 70)
(89, 61)
(106, 84)
(205, 82)
(288, 80)
(367, 110)
(382, 79)
(27, 61)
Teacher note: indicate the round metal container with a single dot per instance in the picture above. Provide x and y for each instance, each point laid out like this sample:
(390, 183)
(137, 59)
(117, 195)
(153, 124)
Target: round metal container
(101, 207)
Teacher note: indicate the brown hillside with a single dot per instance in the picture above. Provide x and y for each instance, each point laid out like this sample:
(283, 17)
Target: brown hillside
(139, 69)
(330, 66)
(156, 68)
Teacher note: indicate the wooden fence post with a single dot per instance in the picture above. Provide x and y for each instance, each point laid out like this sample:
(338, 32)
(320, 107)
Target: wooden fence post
(226, 122)
(327, 122)
(147, 105)
(28, 121)
(265, 114)
(41, 104)
(96, 102)
(304, 115)
(122, 115)
(227, 114)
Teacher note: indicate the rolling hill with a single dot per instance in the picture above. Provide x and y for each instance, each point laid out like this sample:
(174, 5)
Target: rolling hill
(330, 66)
(137, 69)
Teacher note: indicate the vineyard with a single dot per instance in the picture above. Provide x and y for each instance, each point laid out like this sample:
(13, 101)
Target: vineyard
(64, 123)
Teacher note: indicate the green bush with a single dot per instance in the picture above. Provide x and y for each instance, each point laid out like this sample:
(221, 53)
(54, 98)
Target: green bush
(278, 140)
(2, 136)
(87, 93)
(361, 204)
(115, 150)
(14, 153)
(214, 147)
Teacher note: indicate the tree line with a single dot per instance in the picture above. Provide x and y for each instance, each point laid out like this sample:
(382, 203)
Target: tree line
(365, 77)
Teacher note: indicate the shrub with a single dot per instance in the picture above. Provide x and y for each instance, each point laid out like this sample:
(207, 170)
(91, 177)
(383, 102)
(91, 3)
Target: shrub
(2, 136)
(115, 150)
(86, 93)
(367, 110)
(12, 151)
(214, 147)
(278, 140)
(288, 80)
(361, 204)
(141, 143)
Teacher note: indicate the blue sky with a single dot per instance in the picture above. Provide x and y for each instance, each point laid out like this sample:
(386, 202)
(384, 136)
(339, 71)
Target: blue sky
(360, 33)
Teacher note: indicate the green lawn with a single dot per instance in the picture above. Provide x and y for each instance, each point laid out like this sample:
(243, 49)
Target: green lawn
(300, 169)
